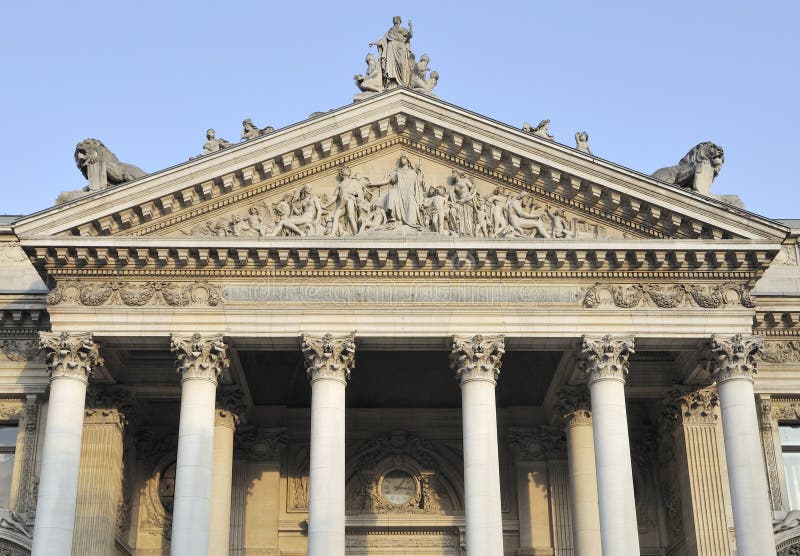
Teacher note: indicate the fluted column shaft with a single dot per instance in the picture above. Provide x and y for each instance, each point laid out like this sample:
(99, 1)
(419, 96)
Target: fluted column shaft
(226, 419)
(577, 419)
(200, 360)
(70, 359)
(100, 481)
(329, 361)
(732, 362)
(605, 363)
(476, 362)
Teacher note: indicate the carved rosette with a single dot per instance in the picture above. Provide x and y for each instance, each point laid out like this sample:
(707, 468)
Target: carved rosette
(605, 357)
(573, 406)
(329, 356)
(734, 357)
(70, 354)
(200, 356)
(230, 407)
(477, 357)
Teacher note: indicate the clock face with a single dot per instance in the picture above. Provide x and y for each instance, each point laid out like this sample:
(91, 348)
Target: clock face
(398, 487)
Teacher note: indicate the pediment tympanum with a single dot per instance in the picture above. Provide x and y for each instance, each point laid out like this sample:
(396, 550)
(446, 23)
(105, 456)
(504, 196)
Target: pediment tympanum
(399, 192)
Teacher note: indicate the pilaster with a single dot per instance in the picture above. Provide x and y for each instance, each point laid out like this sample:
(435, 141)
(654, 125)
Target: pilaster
(227, 415)
(573, 408)
(100, 503)
(691, 418)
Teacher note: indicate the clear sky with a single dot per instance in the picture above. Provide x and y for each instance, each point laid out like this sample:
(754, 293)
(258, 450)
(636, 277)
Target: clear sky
(648, 80)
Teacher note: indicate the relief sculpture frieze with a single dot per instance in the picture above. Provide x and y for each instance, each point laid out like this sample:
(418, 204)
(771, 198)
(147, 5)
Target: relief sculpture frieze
(94, 294)
(404, 201)
(706, 296)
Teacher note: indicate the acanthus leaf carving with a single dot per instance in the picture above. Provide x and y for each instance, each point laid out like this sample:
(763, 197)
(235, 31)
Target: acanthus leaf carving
(734, 357)
(329, 356)
(537, 443)
(477, 357)
(605, 356)
(573, 407)
(200, 356)
(70, 354)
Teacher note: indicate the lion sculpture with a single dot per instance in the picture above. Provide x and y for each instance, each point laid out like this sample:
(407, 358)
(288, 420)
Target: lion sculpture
(696, 170)
(101, 167)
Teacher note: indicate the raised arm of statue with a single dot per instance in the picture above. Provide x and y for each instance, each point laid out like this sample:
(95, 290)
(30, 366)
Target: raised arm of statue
(410, 29)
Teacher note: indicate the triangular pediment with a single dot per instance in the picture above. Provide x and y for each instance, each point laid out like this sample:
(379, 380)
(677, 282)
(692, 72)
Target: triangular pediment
(479, 178)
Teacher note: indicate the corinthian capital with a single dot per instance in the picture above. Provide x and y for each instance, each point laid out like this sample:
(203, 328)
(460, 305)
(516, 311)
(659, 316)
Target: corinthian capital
(200, 356)
(734, 357)
(605, 357)
(70, 354)
(573, 406)
(329, 356)
(690, 405)
(477, 357)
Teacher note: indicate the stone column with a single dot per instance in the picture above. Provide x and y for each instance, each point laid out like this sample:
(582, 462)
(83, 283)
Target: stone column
(732, 363)
(604, 360)
(690, 418)
(200, 362)
(573, 408)
(100, 481)
(226, 418)
(70, 359)
(476, 362)
(328, 360)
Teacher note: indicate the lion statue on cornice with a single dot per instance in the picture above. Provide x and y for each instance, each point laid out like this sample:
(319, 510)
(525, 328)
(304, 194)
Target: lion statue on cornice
(90, 151)
(111, 171)
(696, 170)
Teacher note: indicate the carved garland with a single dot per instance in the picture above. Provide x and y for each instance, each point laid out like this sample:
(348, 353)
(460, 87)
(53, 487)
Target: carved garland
(94, 294)
(628, 296)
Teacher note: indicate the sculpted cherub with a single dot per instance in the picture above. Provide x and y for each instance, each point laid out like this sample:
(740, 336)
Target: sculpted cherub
(582, 142)
(372, 80)
(437, 204)
(419, 76)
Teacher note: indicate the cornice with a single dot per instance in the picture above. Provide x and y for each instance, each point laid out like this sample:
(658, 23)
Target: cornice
(733, 260)
(498, 151)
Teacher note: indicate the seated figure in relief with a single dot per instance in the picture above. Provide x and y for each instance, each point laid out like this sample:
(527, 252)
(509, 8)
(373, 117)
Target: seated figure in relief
(523, 221)
(371, 215)
(305, 217)
(372, 80)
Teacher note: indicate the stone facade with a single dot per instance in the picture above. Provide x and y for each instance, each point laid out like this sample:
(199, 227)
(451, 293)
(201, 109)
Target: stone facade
(399, 327)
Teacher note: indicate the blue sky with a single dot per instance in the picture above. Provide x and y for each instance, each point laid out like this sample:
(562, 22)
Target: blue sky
(648, 80)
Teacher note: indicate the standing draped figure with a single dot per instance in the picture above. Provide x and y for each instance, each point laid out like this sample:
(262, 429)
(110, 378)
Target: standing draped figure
(402, 202)
(396, 58)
